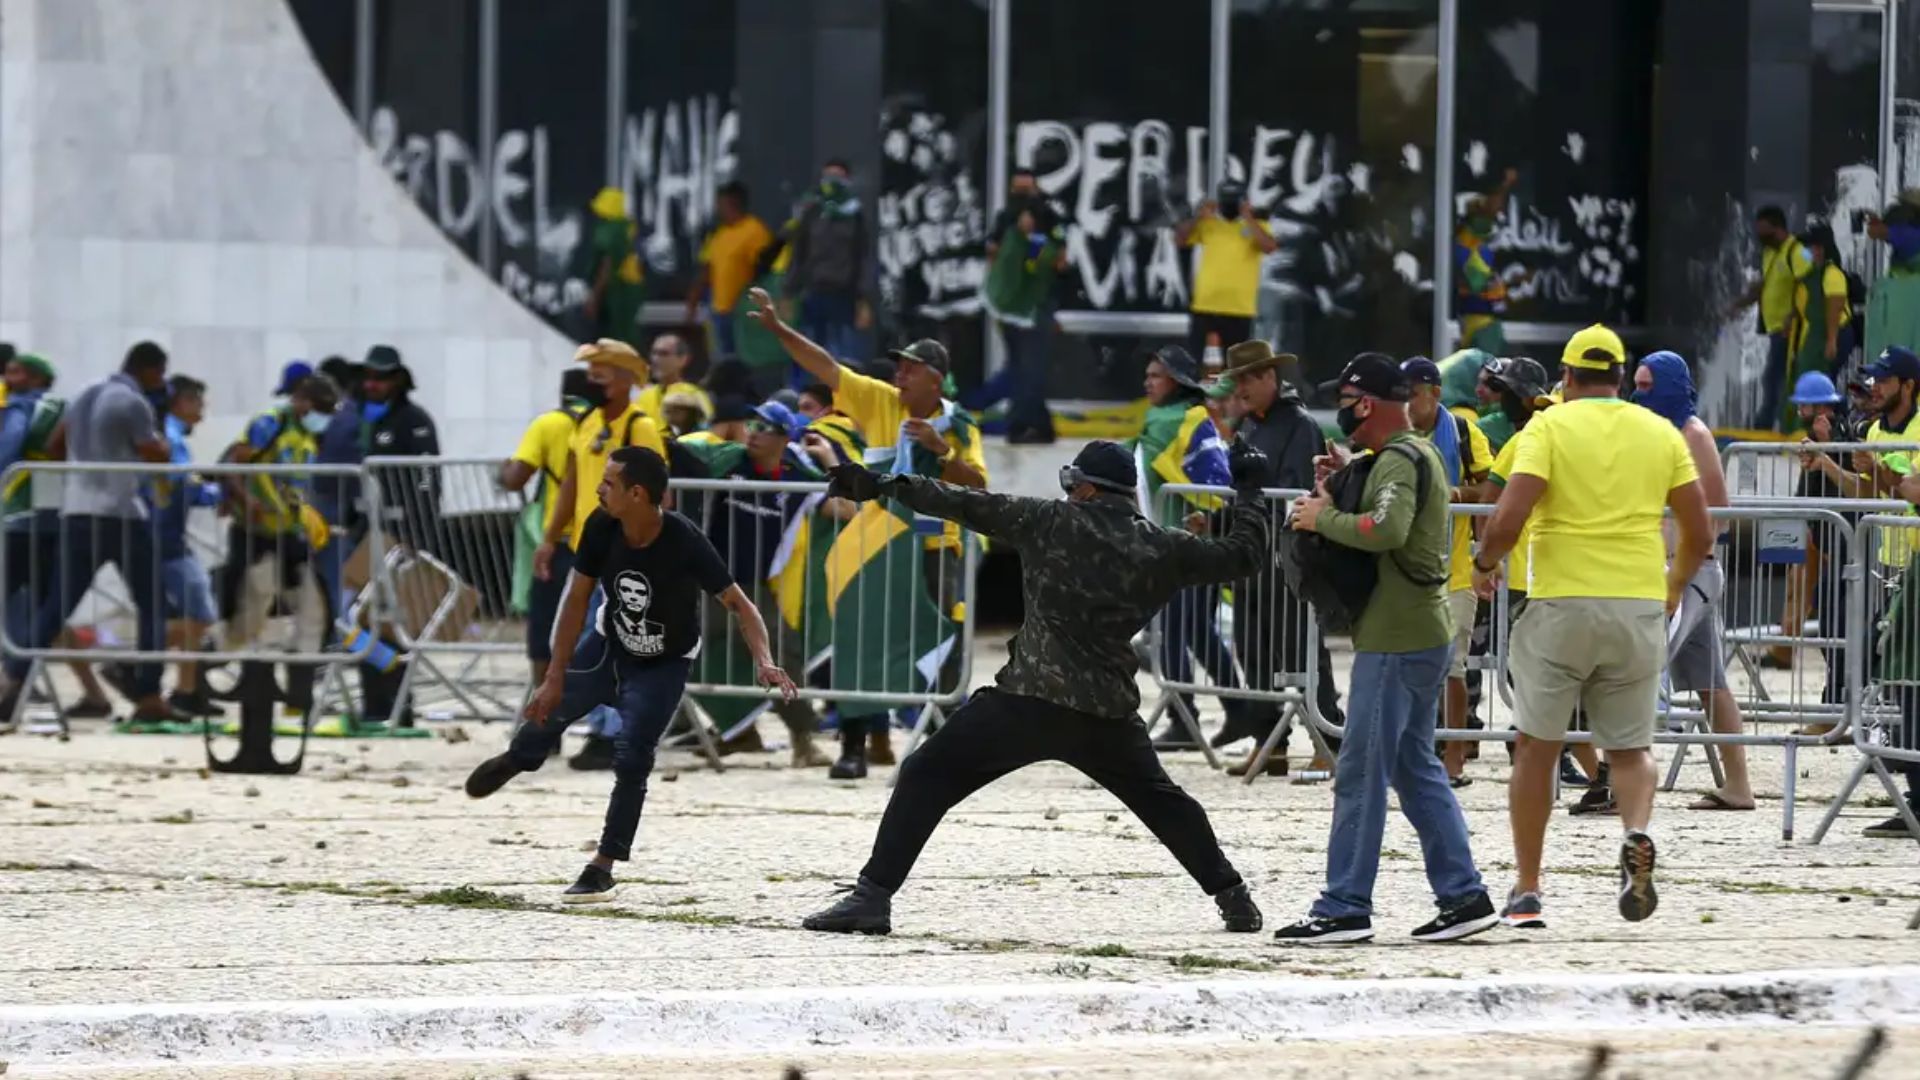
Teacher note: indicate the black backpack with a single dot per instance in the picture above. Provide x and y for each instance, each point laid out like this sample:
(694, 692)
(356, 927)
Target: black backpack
(1338, 580)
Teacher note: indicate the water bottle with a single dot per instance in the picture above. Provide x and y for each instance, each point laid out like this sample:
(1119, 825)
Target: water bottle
(381, 655)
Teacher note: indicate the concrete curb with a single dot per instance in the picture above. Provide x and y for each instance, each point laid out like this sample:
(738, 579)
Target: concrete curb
(934, 1017)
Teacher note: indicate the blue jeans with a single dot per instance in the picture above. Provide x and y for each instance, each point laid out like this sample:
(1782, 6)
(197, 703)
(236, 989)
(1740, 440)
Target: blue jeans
(646, 694)
(723, 343)
(1772, 382)
(86, 544)
(603, 722)
(827, 318)
(1391, 710)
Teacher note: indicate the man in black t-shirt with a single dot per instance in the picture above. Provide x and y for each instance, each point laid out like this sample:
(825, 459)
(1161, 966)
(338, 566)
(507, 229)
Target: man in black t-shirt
(653, 566)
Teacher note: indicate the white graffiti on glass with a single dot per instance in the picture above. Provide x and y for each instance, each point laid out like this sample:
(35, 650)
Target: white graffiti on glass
(930, 220)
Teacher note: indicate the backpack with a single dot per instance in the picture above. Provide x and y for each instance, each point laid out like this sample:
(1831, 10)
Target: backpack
(1338, 580)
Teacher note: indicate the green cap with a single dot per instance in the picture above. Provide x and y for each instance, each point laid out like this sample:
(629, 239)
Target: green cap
(39, 365)
(1220, 387)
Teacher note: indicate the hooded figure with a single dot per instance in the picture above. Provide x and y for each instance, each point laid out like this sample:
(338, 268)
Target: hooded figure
(1673, 395)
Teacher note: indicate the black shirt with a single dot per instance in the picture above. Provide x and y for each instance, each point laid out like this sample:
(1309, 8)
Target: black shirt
(652, 608)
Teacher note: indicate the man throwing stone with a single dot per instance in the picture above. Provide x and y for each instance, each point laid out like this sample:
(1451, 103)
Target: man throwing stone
(1595, 474)
(1093, 572)
(653, 566)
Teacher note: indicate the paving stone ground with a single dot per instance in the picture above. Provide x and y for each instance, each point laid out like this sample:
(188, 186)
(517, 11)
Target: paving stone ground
(130, 874)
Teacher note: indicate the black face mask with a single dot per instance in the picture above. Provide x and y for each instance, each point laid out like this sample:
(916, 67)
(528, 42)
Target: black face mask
(1511, 405)
(1230, 208)
(1348, 420)
(594, 394)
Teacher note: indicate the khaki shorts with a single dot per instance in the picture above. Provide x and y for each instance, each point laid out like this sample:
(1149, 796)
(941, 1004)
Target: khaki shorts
(1463, 606)
(1602, 656)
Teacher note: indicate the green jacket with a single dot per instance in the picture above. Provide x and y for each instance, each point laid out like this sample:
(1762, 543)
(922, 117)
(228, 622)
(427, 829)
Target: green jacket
(1019, 279)
(1402, 615)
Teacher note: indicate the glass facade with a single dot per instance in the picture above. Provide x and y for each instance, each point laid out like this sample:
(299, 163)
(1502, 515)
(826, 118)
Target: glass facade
(425, 125)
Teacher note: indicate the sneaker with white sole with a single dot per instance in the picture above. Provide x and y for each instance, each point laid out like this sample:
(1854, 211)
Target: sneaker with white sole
(1460, 921)
(594, 886)
(1314, 930)
(1637, 896)
(1524, 911)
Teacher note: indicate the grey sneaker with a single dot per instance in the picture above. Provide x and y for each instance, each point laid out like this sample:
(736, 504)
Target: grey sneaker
(1524, 911)
(1637, 896)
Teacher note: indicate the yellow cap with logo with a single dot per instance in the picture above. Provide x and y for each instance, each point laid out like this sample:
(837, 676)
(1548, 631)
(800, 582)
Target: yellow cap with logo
(1596, 348)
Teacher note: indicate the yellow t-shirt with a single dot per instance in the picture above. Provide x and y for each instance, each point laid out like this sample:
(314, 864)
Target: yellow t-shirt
(1609, 466)
(592, 442)
(1517, 566)
(1896, 545)
(875, 406)
(544, 447)
(1228, 278)
(1781, 269)
(651, 398)
(1833, 282)
(1477, 458)
(730, 253)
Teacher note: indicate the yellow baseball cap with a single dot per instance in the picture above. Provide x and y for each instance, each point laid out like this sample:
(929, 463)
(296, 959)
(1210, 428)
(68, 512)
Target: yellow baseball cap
(1582, 348)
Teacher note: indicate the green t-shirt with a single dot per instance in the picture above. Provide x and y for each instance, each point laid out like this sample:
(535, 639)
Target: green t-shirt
(1402, 615)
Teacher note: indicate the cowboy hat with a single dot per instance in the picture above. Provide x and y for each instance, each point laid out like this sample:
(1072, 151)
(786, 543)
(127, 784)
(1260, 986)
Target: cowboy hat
(613, 352)
(1253, 357)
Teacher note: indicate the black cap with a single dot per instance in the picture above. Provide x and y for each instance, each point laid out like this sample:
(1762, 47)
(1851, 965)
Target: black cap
(1106, 465)
(1421, 371)
(1373, 374)
(925, 351)
(729, 407)
(1181, 367)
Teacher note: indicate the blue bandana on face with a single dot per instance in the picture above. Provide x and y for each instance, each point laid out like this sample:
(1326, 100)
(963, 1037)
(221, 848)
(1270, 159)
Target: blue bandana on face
(1672, 396)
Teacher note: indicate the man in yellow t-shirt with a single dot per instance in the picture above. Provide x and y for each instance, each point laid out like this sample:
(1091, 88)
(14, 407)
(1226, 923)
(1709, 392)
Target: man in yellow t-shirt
(1595, 475)
(616, 422)
(1226, 285)
(727, 262)
(1783, 262)
(542, 454)
(667, 360)
(908, 427)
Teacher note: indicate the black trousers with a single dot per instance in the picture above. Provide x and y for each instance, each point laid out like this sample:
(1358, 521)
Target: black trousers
(995, 733)
(1233, 329)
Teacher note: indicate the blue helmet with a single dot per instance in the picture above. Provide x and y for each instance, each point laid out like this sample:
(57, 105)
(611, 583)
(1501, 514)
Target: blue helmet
(1814, 388)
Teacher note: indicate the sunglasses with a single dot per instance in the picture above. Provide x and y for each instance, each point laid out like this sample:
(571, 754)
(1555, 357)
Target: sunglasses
(762, 427)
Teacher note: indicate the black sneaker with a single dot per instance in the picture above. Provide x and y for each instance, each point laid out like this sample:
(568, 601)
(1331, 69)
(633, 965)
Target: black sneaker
(491, 775)
(1570, 774)
(594, 886)
(197, 705)
(1597, 799)
(596, 755)
(1174, 737)
(1894, 828)
(1238, 910)
(89, 710)
(1346, 930)
(1524, 911)
(1637, 896)
(866, 909)
(852, 765)
(1460, 921)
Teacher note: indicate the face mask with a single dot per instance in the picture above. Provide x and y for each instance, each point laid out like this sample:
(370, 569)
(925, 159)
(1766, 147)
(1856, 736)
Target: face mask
(1348, 419)
(1230, 208)
(833, 187)
(594, 395)
(316, 422)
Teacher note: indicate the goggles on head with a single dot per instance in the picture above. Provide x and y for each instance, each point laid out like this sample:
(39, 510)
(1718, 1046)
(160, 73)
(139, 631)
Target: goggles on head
(1072, 477)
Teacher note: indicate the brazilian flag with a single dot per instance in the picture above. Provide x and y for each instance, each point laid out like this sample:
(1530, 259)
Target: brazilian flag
(889, 636)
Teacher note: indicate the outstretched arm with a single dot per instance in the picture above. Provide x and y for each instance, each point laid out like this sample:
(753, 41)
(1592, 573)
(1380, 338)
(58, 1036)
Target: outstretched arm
(753, 631)
(1208, 560)
(817, 361)
(1006, 517)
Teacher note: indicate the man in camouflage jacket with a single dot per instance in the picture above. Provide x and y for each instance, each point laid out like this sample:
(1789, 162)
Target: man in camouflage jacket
(1093, 573)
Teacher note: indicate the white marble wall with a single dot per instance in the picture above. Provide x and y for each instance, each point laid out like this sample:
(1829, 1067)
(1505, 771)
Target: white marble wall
(180, 170)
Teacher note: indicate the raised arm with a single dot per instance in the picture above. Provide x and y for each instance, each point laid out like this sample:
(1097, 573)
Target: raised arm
(817, 361)
(1209, 560)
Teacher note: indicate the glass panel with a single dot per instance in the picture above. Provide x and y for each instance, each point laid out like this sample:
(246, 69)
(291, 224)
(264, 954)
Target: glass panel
(1331, 123)
(933, 171)
(678, 139)
(1843, 135)
(550, 157)
(426, 108)
(1562, 94)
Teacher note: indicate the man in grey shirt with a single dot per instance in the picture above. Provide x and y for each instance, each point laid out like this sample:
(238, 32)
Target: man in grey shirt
(104, 520)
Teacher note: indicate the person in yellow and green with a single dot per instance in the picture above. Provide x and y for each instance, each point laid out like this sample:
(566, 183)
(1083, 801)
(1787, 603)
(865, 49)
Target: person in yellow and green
(1178, 444)
(728, 262)
(1784, 261)
(542, 457)
(619, 283)
(613, 367)
(667, 360)
(274, 530)
(1820, 330)
(1479, 293)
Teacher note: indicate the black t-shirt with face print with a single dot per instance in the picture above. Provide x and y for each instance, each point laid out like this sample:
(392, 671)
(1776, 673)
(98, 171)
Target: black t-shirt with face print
(652, 608)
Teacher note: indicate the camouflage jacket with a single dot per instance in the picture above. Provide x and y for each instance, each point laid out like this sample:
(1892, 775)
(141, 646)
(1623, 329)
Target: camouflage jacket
(1092, 574)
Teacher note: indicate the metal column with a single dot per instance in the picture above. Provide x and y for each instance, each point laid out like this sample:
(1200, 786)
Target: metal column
(363, 64)
(489, 124)
(1218, 88)
(999, 131)
(616, 85)
(1443, 157)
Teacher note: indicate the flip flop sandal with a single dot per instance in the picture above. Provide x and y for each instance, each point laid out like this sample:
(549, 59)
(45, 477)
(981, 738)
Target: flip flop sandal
(1459, 781)
(1713, 800)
